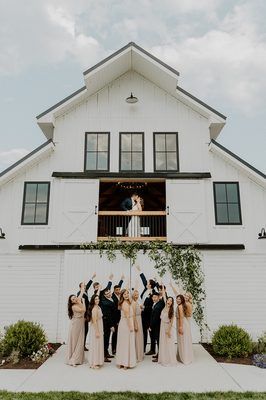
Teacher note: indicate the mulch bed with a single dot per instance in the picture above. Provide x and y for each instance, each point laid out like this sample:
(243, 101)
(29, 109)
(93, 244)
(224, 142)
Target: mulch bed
(234, 360)
(25, 363)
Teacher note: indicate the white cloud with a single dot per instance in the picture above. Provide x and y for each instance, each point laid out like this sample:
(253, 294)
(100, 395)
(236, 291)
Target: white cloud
(228, 61)
(9, 157)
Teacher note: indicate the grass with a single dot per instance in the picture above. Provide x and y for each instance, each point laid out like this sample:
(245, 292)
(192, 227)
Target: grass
(131, 396)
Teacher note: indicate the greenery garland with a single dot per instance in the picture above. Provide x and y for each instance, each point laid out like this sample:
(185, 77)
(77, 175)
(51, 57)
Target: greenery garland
(183, 263)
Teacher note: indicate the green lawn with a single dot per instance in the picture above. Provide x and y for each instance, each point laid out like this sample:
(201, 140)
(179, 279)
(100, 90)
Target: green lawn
(131, 396)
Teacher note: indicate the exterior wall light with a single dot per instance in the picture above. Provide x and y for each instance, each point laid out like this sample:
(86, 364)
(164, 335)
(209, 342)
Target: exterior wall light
(262, 234)
(2, 234)
(132, 99)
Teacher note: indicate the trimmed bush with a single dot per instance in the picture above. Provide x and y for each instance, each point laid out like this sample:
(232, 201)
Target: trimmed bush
(231, 341)
(260, 346)
(23, 337)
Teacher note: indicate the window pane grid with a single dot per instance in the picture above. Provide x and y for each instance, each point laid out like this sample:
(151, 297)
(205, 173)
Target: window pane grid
(97, 155)
(35, 210)
(165, 152)
(131, 159)
(227, 204)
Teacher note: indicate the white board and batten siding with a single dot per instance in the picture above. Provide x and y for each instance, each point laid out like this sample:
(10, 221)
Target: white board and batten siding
(235, 288)
(187, 214)
(75, 219)
(29, 289)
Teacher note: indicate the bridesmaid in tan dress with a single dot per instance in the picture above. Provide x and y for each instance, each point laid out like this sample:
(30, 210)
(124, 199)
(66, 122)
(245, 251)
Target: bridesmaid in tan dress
(95, 318)
(139, 342)
(125, 349)
(75, 343)
(184, 337)
(167, 349)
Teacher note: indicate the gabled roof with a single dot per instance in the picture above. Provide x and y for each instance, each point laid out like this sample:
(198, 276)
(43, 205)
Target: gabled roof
(131, 57)
(237, 161)
(25, 161)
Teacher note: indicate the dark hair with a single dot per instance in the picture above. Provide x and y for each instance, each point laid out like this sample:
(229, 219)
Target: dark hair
(155, 293)
(95, 284)
(171, 308)
(91, 305)
(69, 307)
(161, 287)
(183, 304)
(152, 283)
(116, 287)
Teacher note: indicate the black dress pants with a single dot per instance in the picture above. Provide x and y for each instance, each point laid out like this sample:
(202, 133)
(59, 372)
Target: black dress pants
(106, 336)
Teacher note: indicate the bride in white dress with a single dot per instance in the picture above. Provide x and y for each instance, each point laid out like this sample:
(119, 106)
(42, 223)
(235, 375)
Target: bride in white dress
(134, 223)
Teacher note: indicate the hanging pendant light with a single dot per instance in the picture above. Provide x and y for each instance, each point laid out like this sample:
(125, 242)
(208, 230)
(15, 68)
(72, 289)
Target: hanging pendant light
(132, 99)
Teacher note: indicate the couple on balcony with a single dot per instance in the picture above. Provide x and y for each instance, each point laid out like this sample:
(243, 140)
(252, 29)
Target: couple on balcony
(131, 224)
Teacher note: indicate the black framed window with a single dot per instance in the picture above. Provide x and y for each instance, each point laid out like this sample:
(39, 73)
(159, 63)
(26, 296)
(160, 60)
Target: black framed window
(165, 151)
(35, 206)
(97, 151)
(227, 203)
(131, 151)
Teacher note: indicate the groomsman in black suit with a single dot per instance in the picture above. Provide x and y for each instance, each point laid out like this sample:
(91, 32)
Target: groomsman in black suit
(146, 297)
(108, 309)
(127, 205)
(115, 297)
(155, 323)
(86, 301)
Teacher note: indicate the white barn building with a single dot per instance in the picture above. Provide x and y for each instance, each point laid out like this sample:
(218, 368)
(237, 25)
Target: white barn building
(99, 147)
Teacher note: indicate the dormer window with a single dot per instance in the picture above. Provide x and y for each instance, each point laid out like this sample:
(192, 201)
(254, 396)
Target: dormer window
(97, 151)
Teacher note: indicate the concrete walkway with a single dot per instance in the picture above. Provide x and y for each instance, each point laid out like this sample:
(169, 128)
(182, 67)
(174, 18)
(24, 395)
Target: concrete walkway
(204, 375)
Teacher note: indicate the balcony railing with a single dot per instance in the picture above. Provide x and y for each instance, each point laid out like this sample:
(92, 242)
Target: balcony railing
(132, 225)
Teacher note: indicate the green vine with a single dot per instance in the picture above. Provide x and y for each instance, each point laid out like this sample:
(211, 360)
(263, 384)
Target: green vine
(183, 263)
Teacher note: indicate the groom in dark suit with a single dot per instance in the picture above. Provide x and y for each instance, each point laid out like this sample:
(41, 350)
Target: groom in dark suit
(127, 205)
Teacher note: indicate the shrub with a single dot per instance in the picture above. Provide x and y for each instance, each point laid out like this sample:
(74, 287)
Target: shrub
(231, 341)
(260, 346)
(24, 337)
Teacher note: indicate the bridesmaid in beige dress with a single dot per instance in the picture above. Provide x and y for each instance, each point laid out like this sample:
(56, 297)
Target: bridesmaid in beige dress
(184, 337)
(167, 348)
(137, 308)
(75, 343)
(125, 349)
(95, 318)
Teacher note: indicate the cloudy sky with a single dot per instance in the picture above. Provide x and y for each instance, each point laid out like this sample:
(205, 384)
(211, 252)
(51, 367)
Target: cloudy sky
(218, 46)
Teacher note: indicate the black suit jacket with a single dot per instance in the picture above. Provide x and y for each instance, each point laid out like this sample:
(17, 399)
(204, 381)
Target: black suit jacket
(126, 204)
(115, 300)
(101, 294)
(108, 310)
(156, 315)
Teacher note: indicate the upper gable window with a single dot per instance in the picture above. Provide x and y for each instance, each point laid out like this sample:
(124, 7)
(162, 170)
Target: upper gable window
(97, 151)
(131, 152)
(35, 203)
(227, 203)
(166, 152)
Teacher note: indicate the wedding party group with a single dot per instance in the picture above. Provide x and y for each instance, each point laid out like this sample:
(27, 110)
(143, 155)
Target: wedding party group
(125, 320)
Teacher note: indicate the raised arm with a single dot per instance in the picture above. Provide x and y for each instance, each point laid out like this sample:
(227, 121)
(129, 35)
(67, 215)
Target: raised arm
(142, 276)
(173, 289)
(120, 283)
(89, 283)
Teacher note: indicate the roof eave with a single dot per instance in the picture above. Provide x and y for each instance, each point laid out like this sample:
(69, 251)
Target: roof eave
(238, 162)
(26, 161)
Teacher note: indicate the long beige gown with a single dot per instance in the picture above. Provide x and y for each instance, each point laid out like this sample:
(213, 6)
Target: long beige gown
(139, 334)
(184, 342)
(75, 343)
(96, 351)
(126, 348)
(167, 348)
